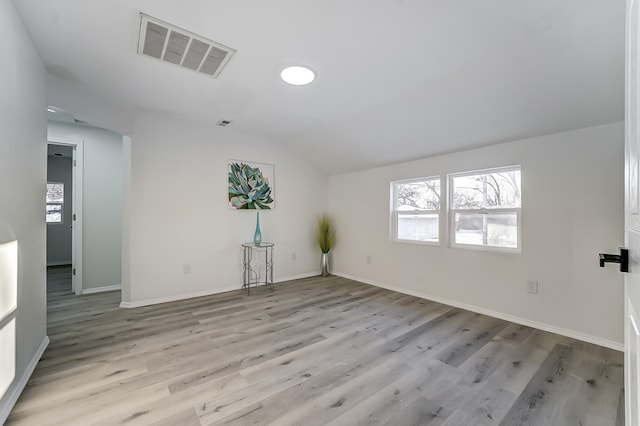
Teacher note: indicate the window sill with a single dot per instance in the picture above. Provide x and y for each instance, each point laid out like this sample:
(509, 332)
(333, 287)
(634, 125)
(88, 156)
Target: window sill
(418, 242)
(490, 249)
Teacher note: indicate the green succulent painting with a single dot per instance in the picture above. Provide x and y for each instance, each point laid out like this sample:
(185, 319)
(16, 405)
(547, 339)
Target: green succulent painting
(248, 188)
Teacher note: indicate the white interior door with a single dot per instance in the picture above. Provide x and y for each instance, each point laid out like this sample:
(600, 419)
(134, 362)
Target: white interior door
(76, 247)
(632, 217)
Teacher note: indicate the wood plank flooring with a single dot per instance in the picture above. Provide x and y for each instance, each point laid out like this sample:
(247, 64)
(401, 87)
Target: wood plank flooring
(317, 351)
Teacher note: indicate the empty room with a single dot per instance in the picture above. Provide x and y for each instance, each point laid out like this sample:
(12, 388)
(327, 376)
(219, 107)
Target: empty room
(400, 212)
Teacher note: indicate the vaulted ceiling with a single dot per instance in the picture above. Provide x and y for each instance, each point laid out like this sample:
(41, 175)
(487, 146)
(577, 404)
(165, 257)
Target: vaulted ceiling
(396, 79)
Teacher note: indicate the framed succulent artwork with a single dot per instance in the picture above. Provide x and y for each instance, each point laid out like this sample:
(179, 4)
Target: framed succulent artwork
(251, 185)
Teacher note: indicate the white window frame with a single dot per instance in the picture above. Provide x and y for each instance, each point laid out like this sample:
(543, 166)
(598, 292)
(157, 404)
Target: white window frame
(56, 204)
(395, 213)
(451, 212)
(8, 312)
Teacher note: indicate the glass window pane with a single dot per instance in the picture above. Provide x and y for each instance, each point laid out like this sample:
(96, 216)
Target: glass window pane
(492, 230)
(419, 195)
(467, 192)
(7, 356)
(503, 189)
(54, 213)
(8, 278)
(55, 192)
(502, 230)
(469, 229)
(418, 227)
(487, 190)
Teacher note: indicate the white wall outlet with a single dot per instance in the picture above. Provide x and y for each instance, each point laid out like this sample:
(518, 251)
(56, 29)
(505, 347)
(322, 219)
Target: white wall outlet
(532, 286)
(293, 256)
(368, 260)
(186, 268)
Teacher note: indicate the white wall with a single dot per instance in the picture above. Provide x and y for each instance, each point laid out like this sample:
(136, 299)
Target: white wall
(23, 156)
(86, 106)
(102, 202)
(59, 234)
(572, 208)
(179, 211)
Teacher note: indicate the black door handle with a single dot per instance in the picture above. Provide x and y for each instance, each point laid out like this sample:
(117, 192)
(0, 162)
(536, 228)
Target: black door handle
(622, 259)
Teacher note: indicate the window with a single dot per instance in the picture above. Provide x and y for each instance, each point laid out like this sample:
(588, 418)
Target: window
(416, 210)
(55, 201)
(8, 306)
(485, 208)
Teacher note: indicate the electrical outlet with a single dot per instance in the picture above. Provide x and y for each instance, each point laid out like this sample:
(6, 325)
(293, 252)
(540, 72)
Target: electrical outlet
(368, 260)
(186, 268)
(293, 256)
(532, 286)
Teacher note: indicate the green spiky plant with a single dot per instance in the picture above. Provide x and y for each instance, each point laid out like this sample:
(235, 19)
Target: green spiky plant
(248, 188)
(326, 233)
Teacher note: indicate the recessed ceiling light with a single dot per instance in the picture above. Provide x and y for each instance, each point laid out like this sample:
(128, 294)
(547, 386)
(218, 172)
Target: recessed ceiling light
(298, 76)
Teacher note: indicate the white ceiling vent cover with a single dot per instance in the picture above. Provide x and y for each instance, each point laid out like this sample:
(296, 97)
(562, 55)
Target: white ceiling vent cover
(169, 43)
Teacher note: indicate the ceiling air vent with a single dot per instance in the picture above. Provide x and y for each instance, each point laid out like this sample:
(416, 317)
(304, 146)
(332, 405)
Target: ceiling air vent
(180, 47)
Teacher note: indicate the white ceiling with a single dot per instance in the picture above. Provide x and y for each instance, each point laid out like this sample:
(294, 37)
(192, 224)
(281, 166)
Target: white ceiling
(397, 79)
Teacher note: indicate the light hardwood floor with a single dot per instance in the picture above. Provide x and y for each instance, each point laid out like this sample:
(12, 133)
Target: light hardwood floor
(311, 352)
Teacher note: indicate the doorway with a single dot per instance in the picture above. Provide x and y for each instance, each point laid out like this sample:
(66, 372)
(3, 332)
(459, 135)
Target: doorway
(64, 212)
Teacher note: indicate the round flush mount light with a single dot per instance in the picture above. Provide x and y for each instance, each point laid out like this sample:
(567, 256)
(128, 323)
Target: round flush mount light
(298, 75)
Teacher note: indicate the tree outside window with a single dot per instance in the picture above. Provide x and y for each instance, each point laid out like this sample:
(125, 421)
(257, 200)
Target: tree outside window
(485, 208)
(416, 210)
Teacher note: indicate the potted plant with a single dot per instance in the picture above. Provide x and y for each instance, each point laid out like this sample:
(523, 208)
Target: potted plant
(326, 237)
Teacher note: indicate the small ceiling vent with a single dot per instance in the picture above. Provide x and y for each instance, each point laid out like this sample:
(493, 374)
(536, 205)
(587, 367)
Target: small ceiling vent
(169, 43)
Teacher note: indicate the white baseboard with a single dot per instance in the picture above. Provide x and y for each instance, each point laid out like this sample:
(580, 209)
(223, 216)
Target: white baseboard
(166, 299)
(22, 382)
(101, 289)
(618, 346)
(177, 297)
(297, 277)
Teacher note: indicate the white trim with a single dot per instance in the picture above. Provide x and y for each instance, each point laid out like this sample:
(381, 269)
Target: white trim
(298, 277)
(452, 211)
(102, 289)
(487, 171)
(395, 214)
(618, 346)
(125, 246)
(167, 299)
(419, 242)
(174, 298)
(19, 385)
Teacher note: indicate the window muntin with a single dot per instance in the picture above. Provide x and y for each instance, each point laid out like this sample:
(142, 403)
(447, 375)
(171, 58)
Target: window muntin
(416, 210)
(485, 208)
(55, 202)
